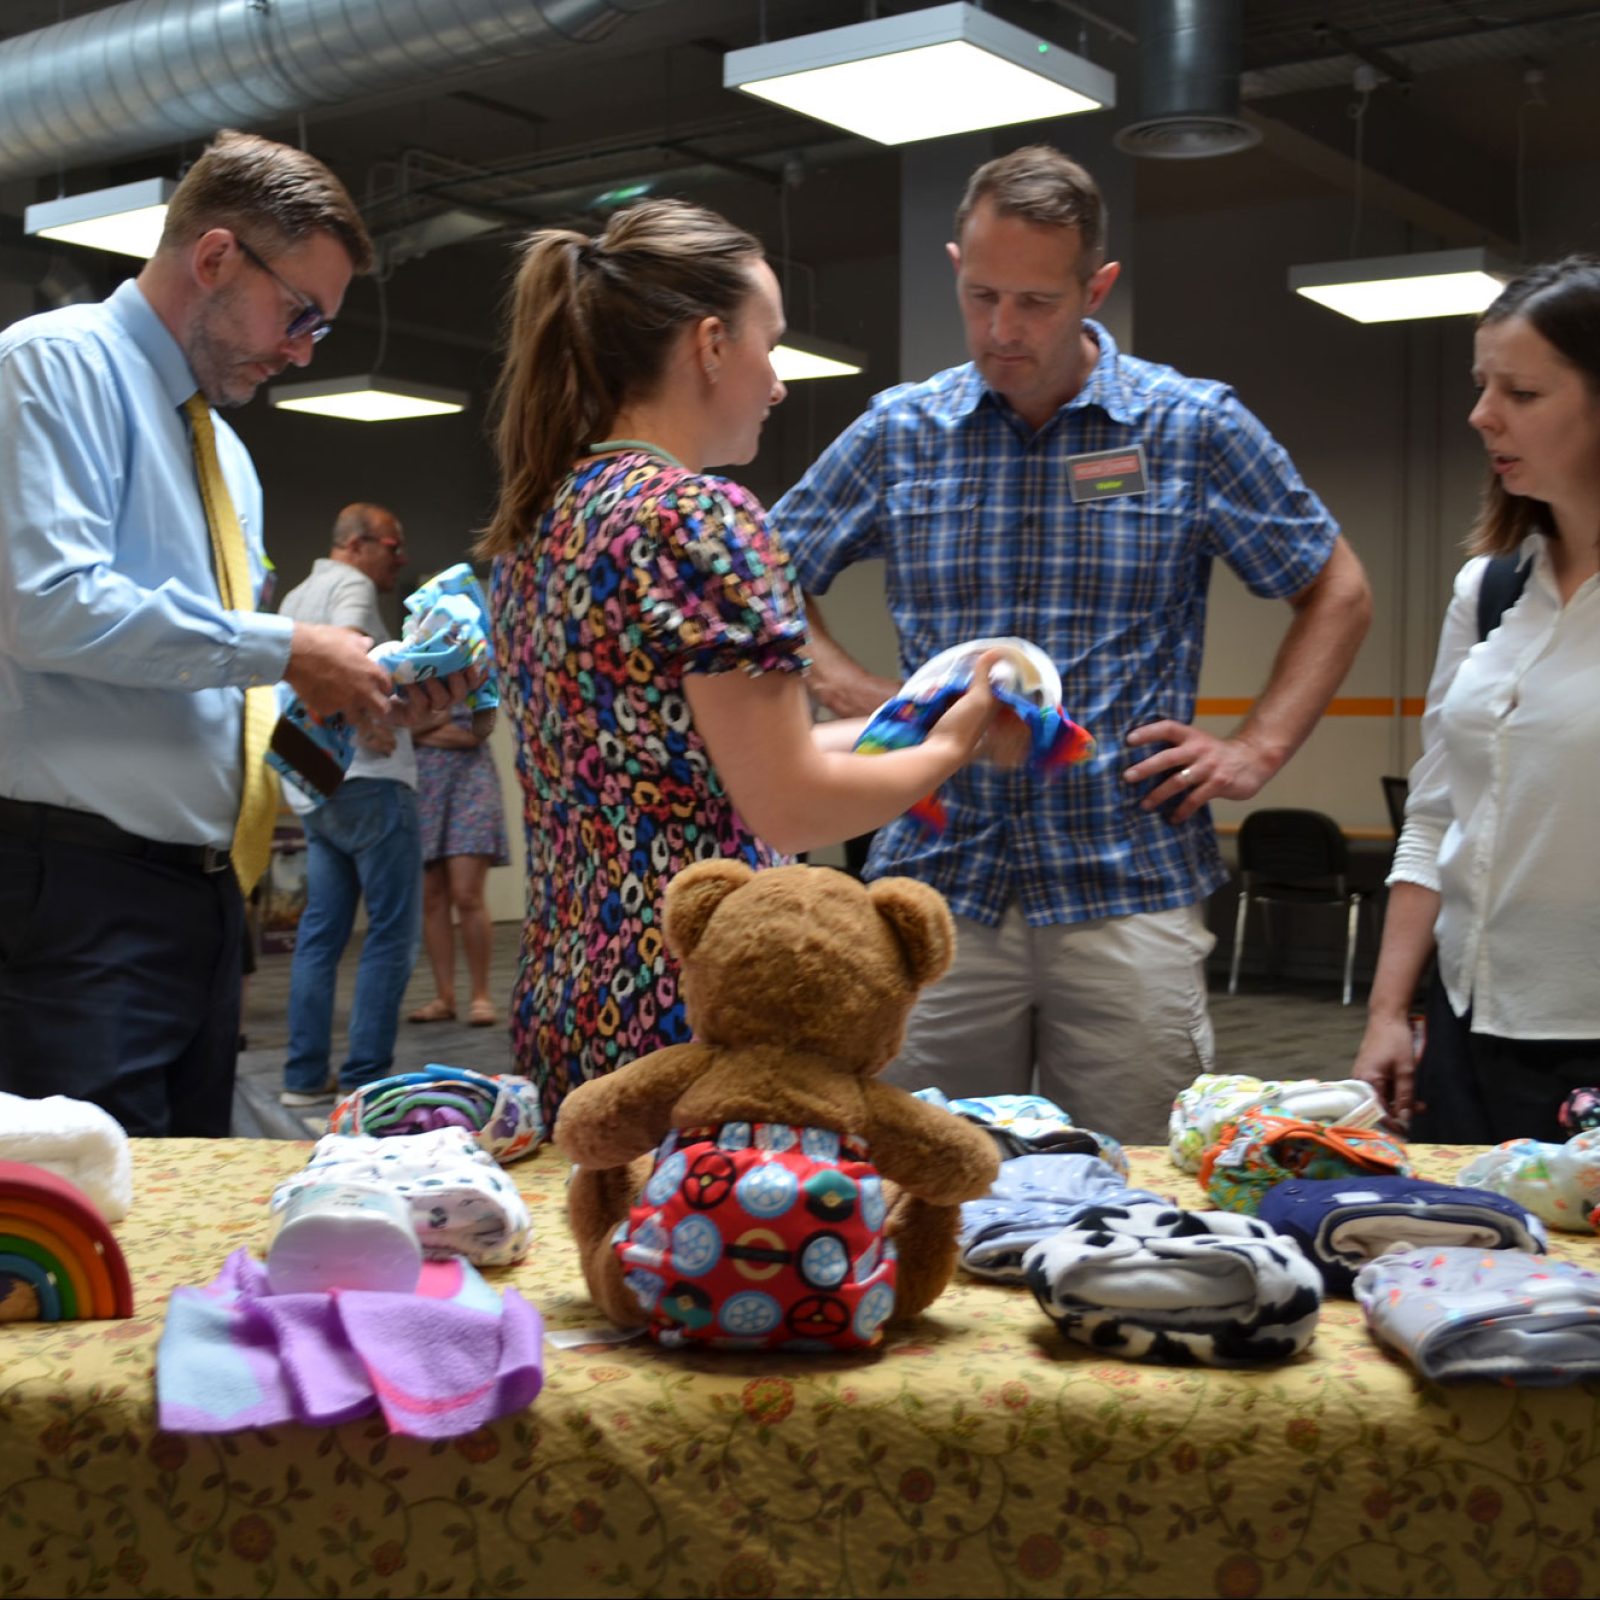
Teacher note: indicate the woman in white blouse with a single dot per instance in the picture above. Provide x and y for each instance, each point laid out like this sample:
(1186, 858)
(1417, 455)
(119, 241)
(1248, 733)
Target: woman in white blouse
(1498, 865)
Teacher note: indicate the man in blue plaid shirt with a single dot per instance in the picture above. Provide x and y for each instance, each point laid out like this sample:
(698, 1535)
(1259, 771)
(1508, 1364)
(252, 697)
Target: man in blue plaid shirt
(1057, 489)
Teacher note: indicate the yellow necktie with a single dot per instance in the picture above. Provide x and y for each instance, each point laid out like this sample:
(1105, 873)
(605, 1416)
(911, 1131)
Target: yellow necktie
(258, 789)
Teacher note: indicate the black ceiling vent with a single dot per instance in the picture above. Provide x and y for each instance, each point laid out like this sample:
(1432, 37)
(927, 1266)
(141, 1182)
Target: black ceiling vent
(1188, 82)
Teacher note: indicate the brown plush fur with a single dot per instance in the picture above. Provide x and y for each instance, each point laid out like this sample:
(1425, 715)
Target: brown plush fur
(797, 982)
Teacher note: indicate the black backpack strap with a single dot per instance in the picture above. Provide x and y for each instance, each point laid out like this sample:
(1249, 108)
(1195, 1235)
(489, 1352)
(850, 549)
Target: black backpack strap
(1503, 583)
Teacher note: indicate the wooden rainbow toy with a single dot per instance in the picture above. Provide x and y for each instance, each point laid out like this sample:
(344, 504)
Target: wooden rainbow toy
(59, 1262)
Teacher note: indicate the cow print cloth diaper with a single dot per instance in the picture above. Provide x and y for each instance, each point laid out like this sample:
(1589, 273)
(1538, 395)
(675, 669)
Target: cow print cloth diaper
(1152, 1283)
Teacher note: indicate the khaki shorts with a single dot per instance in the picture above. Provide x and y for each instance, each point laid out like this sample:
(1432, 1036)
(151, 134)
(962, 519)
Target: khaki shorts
(1107, 1018)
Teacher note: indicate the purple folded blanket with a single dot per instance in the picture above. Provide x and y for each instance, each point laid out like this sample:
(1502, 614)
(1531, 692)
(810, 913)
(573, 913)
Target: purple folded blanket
(437, 1363)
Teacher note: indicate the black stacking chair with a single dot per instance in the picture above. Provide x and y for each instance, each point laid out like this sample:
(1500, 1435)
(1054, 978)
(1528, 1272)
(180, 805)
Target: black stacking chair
(1395, 791)
(1290, 857)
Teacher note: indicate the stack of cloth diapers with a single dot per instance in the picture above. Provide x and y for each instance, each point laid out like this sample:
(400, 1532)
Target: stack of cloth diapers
(439, 1359)
(1312, 1198)
(1454, 1277)
(1122, 1269)
(76, 1141)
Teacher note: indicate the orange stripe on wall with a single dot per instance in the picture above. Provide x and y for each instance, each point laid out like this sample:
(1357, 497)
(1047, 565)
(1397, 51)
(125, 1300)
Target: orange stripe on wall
(1349, 706)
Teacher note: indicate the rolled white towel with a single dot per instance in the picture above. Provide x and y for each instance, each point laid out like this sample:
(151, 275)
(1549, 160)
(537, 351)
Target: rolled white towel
(76, 1141)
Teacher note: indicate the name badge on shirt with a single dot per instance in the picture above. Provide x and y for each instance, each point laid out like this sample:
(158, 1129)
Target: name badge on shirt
(1106, 473)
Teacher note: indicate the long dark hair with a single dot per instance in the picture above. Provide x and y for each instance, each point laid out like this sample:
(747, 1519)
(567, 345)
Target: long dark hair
(1560, 300)
(590, 325)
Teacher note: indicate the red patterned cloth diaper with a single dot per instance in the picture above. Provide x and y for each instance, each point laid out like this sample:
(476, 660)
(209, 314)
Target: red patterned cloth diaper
(761, 1236)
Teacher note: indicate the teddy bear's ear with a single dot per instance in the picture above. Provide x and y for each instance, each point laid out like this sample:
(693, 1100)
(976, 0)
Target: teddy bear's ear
(693, 895)
(920, 921)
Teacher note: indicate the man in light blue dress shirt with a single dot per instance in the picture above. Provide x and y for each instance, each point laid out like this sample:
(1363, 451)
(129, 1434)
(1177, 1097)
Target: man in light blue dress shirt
(122, 676)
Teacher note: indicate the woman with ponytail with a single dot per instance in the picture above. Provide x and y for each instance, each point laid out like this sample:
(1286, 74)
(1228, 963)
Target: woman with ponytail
(649, 626)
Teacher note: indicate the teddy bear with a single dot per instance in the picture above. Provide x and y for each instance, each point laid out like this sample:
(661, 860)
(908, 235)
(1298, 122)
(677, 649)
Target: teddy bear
(759, 1186)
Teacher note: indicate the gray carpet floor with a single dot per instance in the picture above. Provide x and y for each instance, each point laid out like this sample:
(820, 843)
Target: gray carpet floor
(1281, 1030)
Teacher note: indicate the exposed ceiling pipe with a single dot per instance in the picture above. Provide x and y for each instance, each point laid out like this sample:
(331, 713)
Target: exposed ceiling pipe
(148, 73)
(1189, 56)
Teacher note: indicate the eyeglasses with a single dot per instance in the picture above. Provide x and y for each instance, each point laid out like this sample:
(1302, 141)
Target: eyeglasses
(309, 319)
(396, 546)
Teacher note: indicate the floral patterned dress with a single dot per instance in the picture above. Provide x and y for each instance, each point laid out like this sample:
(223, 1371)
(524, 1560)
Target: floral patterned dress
(458, 800)
(640, 572)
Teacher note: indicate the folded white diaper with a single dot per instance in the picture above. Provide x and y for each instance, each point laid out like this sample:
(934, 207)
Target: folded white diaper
(76, 1141)
(461, 1202)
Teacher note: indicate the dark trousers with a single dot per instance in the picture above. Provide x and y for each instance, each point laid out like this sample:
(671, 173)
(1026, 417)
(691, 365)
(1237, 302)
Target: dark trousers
(119, 984)
(1474, 1088)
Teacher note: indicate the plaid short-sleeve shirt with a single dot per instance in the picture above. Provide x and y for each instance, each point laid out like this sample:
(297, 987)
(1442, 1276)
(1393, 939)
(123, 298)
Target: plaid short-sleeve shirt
(971, 511)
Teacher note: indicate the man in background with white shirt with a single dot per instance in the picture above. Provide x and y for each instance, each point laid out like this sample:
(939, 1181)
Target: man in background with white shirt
(363, 842)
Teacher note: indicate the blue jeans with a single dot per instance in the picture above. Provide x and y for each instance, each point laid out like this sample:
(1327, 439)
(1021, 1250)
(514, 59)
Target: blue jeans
(363, 843)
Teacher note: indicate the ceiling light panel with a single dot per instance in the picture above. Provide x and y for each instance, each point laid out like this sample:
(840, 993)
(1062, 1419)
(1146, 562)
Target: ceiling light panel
(1432, 283)
(799, 356)
(126, 220)
(924, 75)
(367, 398)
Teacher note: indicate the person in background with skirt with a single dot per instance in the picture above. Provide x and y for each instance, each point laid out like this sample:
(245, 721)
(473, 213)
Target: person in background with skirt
(1497, 865)
(648, 625)
(463, 835)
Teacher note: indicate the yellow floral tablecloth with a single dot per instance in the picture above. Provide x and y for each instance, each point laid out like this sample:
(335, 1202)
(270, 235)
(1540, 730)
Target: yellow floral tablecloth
(977, 1454)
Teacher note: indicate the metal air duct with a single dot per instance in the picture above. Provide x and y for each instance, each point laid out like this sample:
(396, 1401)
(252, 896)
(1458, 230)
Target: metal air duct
(1189, 55)
(149, 73)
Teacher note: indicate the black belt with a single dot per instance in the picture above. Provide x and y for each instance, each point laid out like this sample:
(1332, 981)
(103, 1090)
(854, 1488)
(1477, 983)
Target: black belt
(33, 819)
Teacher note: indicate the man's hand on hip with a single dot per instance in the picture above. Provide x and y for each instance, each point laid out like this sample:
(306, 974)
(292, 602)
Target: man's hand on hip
(1196, 767)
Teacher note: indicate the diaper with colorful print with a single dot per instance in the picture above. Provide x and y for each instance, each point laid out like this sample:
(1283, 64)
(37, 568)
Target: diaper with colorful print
(758, 1236)
(1028, 688)
(1559, 1183)
(446, 630)
(1217, 1098)
(1259, 1150)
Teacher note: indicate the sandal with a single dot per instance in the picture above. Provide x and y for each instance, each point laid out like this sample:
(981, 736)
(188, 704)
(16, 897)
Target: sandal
(434, 1011)
(482, 1014)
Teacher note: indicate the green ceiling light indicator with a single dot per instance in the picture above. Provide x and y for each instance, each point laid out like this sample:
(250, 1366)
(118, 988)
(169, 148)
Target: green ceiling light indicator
(624, 194)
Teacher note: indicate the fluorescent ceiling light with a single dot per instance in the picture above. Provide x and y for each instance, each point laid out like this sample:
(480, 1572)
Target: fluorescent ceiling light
(367, 398)
(127, 219)
(803, 355)
(947, 69)
(453, 226)
(1433, 283)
